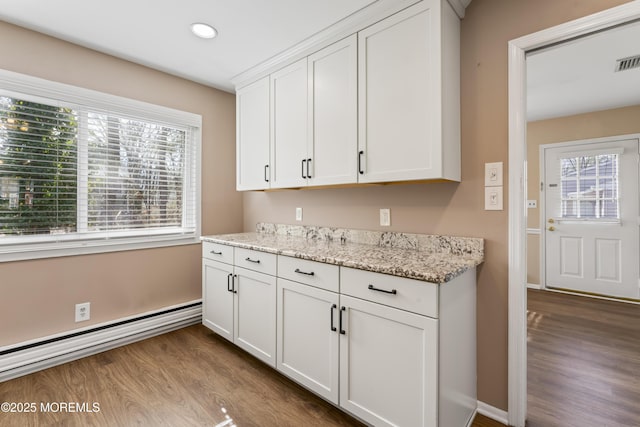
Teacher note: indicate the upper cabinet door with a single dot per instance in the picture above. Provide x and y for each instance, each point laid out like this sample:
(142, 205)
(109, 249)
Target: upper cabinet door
(401, 134)
(289, 126)
(333, 113)
(252, 136)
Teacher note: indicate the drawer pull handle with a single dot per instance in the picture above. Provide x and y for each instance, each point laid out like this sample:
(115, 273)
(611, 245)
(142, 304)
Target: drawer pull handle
(216, 252)
(342, 310)
(230, 283)
(255, 261)
(392, 291)
(235, 276)
(333, 307)
(311, 273)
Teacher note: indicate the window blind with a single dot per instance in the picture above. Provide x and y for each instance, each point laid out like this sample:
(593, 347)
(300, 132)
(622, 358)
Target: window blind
(70, 172)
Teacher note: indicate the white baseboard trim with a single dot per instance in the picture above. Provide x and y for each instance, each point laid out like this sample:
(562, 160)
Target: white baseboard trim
(534, 286)
(58, 349)
(493, 413)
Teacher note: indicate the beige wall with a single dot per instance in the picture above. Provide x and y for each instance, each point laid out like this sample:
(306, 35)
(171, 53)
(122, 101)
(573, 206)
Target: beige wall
(619, 121)
(449, 208)
(37, 298)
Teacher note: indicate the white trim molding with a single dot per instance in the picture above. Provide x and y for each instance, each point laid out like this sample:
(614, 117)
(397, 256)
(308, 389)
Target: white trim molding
(46, 352)
(518, 48)
(492, 412)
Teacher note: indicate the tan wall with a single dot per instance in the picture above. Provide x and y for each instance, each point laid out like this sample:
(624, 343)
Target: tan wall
(448, 208)
(37, 298)
(619, 121)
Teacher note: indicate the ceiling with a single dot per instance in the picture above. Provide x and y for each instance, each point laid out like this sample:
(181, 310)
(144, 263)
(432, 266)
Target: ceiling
(579, 76)
(156, 33)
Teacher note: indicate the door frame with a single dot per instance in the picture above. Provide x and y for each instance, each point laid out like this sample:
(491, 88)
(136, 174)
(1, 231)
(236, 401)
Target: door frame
(517, 50)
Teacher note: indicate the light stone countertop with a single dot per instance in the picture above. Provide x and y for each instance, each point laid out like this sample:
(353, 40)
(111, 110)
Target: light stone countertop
(435, 259)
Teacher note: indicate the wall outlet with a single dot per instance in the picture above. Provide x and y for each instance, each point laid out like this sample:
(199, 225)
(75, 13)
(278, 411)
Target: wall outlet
(83, 311)
(532, 204)
(298, 214)
(385, 217)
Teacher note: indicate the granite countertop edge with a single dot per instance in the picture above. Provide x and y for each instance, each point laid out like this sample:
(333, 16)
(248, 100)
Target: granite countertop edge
(415, 264)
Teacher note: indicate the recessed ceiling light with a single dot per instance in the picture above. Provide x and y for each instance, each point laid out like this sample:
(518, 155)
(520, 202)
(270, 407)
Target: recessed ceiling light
(204, 31)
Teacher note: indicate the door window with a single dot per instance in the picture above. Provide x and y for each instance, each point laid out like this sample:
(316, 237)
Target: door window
(589, 187)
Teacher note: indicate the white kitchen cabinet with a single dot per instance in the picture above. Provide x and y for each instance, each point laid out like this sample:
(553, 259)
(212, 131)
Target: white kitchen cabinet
(253, 136)
(388, 364)
(240, 304)
(333, 114)
(289, 128)
(308, 337)
(409, 96)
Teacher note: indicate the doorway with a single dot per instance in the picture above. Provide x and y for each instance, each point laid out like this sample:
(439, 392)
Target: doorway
(518, 214)
(589, 216)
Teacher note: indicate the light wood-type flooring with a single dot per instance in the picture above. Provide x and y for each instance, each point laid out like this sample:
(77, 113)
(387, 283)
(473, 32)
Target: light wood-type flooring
(583, 361)
(189, 377)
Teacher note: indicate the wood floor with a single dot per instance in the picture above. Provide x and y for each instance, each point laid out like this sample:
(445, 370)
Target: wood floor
(583, 362)
(189, 377)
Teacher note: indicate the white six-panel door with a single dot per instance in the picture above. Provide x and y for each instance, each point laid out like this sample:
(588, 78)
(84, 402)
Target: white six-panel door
(590, 217)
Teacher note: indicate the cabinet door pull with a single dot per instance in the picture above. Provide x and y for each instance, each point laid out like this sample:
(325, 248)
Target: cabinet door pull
(333, 307)
(303, 162)
(342, 310)
(230, 283)
(235, 277)
(310, 273)
(308, 173)
(360, 171)
(216, 252)
(392, 291)
(266, 173)
(255, 261)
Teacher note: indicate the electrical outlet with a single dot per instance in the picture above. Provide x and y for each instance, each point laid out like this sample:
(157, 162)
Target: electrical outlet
(298, 214)
(83, 311)
(385, 217)
(532, 204)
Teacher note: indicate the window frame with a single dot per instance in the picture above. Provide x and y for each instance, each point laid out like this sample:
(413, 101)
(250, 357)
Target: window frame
(45, 246)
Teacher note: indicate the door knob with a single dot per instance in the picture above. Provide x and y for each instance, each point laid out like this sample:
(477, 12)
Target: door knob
(551, 221)
(552, 228)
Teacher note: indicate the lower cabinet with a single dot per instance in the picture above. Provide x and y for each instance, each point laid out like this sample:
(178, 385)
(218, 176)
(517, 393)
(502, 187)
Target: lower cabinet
(240, 305)
(391, 351)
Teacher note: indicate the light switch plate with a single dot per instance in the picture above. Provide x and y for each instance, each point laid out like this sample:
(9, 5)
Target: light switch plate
(493, 199)
(298, 214)
(385, 217)
(493, 174)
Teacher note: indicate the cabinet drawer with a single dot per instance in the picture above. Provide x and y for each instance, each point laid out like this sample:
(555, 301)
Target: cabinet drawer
(217, 252)
(406, 294)
(255, 260)
(320, 275)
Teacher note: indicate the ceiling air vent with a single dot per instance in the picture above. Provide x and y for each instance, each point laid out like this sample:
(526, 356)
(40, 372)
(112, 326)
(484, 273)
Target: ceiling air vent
(628, 63)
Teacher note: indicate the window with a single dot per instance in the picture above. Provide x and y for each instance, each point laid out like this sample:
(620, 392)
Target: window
(82, 171)
(590, 187)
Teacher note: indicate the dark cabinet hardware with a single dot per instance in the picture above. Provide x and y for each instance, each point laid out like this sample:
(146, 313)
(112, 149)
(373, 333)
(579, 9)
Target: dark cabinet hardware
(308, 163)
(392, 291)
(255, 261)
(333, 307)
(216, 252)
(311, 273)
(266, 173)
(234, 281)
(342, 310)
(360, 171)
(303, 162)
(230, 282)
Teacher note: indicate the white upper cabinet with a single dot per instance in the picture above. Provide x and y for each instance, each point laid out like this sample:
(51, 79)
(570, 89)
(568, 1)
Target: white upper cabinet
(252, 136)
(380, 105)
(409, 96)
(289, 126)
(333, 113)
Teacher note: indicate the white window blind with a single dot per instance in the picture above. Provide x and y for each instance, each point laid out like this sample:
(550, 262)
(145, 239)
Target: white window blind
(78, 175)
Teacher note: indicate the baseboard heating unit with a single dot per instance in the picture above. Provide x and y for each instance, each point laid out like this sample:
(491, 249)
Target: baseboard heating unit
(32, 356)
